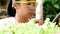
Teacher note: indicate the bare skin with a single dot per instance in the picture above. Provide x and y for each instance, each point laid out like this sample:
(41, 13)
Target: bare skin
(24, 12)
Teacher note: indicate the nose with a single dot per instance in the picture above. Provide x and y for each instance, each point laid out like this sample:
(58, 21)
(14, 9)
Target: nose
(32, 8)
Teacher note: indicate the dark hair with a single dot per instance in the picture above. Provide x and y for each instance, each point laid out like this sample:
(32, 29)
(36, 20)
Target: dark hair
(10, 10)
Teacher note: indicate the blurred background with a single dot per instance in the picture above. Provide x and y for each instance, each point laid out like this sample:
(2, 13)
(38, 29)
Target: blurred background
(50, 9)
(3, 5)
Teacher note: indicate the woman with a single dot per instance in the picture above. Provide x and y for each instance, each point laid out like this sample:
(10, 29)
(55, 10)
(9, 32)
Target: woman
(21, 10)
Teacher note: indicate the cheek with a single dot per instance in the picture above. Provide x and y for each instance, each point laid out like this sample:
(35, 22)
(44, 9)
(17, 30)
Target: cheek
(28, 15)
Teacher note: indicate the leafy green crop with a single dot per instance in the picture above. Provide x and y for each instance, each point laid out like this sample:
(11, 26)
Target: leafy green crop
(30, 28)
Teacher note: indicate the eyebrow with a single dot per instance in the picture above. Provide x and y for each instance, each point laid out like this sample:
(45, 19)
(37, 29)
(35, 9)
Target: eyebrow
(28, 0)
(25, 1)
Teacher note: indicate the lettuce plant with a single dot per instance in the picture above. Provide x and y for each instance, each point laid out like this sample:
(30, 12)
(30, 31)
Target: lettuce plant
(30, 28)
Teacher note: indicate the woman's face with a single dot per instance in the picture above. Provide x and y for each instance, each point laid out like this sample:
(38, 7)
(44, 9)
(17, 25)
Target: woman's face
(26, 9)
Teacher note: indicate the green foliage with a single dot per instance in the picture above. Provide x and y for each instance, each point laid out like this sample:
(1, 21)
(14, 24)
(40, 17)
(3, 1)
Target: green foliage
(51, 8)
(30, 28)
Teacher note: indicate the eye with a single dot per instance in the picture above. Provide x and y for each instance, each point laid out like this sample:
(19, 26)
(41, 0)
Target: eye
(32, 4)
(28, 3)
